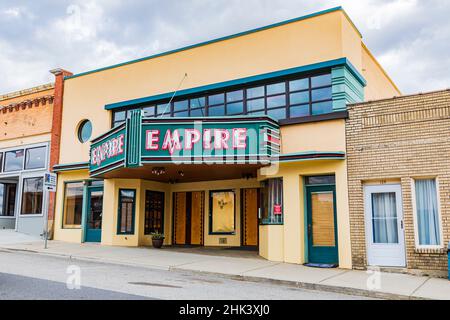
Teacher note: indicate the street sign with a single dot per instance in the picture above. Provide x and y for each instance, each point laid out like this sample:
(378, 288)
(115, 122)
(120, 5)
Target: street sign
(50, 181)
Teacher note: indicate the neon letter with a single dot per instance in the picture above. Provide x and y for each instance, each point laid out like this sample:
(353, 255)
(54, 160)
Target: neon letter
(172, 142)
(152, 140)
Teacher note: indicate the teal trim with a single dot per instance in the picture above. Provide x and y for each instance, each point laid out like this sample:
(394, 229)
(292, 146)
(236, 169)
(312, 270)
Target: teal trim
(319, 13)
(243, 81)
(71, 167)
(311, 152)
(305, 219)
(91, 235)
(119, 215)
(346, 88)
(85, 211)
(321, 254)
(134, 140)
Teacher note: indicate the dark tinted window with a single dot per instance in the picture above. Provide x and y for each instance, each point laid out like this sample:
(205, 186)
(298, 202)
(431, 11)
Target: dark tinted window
(32, 196)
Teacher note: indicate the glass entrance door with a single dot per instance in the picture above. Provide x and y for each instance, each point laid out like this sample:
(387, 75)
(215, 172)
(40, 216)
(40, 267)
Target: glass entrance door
(94, 215)
(384, 226)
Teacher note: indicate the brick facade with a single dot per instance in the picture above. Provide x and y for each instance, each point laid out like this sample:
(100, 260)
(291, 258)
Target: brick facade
(26, 113)
(398, 140)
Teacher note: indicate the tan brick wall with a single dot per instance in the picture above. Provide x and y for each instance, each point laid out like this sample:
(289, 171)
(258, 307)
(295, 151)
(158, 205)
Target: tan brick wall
(402, 138)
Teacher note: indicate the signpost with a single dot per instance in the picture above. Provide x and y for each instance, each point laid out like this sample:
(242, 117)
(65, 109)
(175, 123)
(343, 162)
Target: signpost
(50, 180)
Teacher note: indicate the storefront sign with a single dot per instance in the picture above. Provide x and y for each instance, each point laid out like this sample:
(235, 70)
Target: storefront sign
(246, 140)
(108, 151)
(277, 209)
(50, 181)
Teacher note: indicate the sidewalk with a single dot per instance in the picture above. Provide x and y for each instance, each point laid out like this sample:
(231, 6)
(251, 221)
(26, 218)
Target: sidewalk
(250, 267)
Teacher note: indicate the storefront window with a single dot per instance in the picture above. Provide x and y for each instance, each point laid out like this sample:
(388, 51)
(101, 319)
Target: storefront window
(7, 199)
(35, 158)
(14, 160)
(222, 215)
(127, 199)
(272, 202)
(32, 196)
(73, 205)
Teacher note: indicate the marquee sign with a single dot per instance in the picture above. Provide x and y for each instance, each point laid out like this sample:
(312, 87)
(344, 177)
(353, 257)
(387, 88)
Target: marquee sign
(246, 140)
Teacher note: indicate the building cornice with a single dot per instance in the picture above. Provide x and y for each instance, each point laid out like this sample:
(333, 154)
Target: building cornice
(27, 104)
(25, 92)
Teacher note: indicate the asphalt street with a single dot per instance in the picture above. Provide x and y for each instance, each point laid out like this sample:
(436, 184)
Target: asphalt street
(30, 276)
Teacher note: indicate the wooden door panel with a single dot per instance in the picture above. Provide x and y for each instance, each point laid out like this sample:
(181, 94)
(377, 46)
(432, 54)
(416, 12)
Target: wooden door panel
(180, 218)
(250, 217)
(197, 218)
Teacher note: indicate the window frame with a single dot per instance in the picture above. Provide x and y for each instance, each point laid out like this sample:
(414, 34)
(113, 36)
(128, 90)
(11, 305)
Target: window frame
(80, 129)
(269, 220)
(210, 231)
(7, 174)
(245, 87)
(415, 218)
(163, 195)
(75, 227)
(119, 213)
(26, 157)
(44, 196)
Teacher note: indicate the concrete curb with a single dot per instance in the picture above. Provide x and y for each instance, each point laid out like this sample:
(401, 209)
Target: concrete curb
(295, 284)
(308, 286)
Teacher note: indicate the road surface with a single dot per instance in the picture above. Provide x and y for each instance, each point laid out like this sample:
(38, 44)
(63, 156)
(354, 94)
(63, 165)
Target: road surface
(30, 276)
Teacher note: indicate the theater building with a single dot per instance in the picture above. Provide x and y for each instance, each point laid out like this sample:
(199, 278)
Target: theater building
(234, 142)
(29, 146)
(399, 179)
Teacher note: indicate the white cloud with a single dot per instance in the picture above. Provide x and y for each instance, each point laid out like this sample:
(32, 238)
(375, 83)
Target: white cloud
(411, 38)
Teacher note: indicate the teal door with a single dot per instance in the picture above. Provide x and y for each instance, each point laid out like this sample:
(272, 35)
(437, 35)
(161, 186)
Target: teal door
(322, 225)
(94, 215)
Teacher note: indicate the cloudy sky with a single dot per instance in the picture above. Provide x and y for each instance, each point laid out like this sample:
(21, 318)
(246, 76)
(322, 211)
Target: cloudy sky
(411, 38)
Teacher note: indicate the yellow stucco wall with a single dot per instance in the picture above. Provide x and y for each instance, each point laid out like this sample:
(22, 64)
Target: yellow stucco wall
(69, 235)
(110, 209)
(314, 136)
(381, 85)
(291, 236)
(322, 38)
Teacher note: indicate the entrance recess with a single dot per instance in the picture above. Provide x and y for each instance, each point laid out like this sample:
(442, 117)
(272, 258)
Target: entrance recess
(384, 226)
(322, 226)
(188, 218)
(94, 215)
(250, 217)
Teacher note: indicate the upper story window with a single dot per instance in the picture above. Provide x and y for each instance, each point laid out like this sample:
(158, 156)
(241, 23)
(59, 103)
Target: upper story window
(290, 98)
(33, 158)
(84, 131)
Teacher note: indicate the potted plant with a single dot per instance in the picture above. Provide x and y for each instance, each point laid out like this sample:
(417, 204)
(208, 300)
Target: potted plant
(157, 240)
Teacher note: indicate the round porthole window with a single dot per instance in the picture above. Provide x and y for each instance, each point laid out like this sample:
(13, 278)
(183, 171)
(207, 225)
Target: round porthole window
(84, 131)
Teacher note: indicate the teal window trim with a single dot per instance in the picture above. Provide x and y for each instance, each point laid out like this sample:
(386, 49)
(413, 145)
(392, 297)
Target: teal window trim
(316, 67)
(63, 209)
(133, 212)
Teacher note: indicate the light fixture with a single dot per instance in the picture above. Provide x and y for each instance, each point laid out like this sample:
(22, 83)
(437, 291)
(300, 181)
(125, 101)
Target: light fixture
(159, 171)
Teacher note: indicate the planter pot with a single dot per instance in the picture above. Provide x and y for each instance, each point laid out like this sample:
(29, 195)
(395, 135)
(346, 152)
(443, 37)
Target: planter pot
(157, 243)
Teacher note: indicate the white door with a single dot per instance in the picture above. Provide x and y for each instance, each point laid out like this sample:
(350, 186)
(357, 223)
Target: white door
(384, 226)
